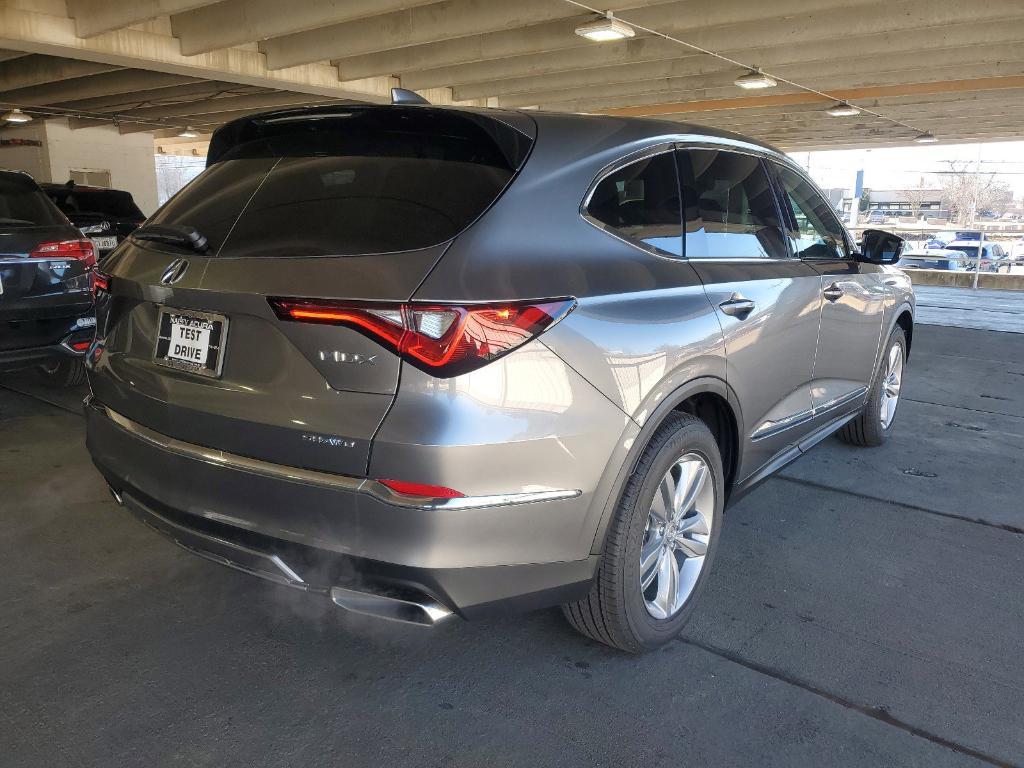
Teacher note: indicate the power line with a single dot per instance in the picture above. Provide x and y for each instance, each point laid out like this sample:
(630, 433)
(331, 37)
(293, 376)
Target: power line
(740, 64)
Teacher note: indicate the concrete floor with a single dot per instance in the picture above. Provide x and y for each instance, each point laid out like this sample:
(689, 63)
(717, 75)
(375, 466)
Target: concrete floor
(866, 609)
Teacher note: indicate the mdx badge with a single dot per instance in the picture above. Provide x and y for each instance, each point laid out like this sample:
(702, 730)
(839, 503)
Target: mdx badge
(174, 272)
(347, 357)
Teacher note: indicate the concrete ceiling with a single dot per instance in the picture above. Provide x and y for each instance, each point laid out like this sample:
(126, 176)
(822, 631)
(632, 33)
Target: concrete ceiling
(950, 67)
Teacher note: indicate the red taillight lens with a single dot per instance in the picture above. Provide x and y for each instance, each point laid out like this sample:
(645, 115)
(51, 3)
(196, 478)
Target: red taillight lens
(80, 346)
(443, 339)
(422, 489)
(81, 250)
(100, 282)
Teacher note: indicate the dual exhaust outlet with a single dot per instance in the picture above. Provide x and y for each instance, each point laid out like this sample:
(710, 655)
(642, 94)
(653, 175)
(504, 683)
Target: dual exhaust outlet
(408, 606)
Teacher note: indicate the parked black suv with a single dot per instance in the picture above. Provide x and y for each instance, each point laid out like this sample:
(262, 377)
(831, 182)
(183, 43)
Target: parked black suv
(46, 309)
(107, 216)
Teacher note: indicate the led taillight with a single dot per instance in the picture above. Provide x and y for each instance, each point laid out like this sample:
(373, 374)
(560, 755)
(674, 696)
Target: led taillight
(80, 346)
(443, 339)
(100, 282)
(80, 250)
(422, 489)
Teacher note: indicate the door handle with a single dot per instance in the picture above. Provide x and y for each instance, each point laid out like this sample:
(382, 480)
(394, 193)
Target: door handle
(737, 306)
(833, 292)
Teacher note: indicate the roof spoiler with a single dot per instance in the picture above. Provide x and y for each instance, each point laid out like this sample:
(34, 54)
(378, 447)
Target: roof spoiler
(404, 96)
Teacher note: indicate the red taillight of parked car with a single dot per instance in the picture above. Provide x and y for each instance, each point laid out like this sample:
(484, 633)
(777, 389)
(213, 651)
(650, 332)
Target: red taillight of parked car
(80, 250)
(100, 282)
(443, 339)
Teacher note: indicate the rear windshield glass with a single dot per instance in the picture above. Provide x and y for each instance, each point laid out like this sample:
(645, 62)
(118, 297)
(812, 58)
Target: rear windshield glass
(359, 182)
(113, 203)
(23, 204)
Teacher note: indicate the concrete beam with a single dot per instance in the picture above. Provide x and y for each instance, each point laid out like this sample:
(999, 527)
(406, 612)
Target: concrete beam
(11, 55)
(444, 20)
(206, 121)
(781, 63)
(210, 106)
(708, 24)
(721, 85)
(55, 36)
(647, 49)
(32, 71)
(126, 102)
(93, 17)
(235, 22)
(94, 86)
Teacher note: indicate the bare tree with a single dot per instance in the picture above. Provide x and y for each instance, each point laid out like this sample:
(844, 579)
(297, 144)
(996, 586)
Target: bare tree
(916, 196)
(969, 192)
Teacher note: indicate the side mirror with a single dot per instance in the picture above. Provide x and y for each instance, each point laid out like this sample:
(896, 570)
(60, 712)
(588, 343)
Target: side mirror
(880, 247)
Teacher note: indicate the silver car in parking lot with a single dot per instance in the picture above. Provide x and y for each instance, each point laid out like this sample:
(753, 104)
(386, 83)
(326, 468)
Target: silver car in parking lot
(433, 361)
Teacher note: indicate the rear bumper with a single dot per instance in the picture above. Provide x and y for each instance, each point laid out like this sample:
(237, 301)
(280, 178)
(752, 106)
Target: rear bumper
(56, 344)
(14, 359)
(333, 534)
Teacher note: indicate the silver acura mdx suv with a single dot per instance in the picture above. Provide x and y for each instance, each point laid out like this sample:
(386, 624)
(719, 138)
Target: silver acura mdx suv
(432, 361)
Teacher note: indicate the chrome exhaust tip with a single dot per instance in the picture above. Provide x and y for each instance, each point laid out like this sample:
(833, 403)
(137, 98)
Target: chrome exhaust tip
(422, 611)
(116, 495)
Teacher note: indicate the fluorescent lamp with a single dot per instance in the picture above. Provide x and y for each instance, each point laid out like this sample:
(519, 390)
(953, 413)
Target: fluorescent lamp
(189, 133)
(16, 116)
(925, 138)
(842, 109)
(755, 78)
(605, 30)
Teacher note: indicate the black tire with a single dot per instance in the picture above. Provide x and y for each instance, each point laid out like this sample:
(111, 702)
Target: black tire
(866, 429)
(614, 612)
(62, 372)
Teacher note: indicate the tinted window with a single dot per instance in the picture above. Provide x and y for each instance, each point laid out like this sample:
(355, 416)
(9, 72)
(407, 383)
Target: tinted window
(815, 230)
(212, 201)
(730, 206)
(347, 183)
(113, 203)
(641, 202)
(23, 204)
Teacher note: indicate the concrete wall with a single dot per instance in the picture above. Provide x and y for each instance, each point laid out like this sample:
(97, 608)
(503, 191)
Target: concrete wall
(34, 160)
(129, 158)
(966, 279)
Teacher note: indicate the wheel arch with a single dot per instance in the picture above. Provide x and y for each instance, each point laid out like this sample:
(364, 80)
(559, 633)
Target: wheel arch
(905, 320)
(708, 398)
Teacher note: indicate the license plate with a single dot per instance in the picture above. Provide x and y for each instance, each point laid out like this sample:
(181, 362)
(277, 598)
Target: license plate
(191, 341)
(104, 243)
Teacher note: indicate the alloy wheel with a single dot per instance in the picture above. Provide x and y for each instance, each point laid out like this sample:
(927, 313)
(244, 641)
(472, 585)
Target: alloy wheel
(676, 540)
(891, 383)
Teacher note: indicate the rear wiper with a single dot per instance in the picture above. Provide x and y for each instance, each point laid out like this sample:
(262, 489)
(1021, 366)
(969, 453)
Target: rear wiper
(175, 234)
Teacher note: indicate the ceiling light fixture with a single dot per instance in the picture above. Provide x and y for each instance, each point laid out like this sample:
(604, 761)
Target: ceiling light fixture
(755, 78)
(925, 138)
(16, 116)
(842, 109)
(189, 133)
(606, 29)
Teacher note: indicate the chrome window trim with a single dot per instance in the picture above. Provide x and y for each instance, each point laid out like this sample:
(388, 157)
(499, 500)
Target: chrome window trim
(670, 143)
(661, 148)
(345, 483)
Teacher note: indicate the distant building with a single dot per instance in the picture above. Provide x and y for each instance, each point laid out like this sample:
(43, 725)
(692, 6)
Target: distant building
(928, 203)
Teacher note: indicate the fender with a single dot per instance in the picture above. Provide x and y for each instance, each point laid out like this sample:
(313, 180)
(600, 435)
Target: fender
(626, 456)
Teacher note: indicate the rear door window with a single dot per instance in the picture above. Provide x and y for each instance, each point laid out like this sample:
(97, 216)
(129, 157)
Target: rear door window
(641, 203)
(731, 211)
(24, 204)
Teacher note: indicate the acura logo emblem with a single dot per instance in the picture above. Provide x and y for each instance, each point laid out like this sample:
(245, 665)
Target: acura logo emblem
(174, 272)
